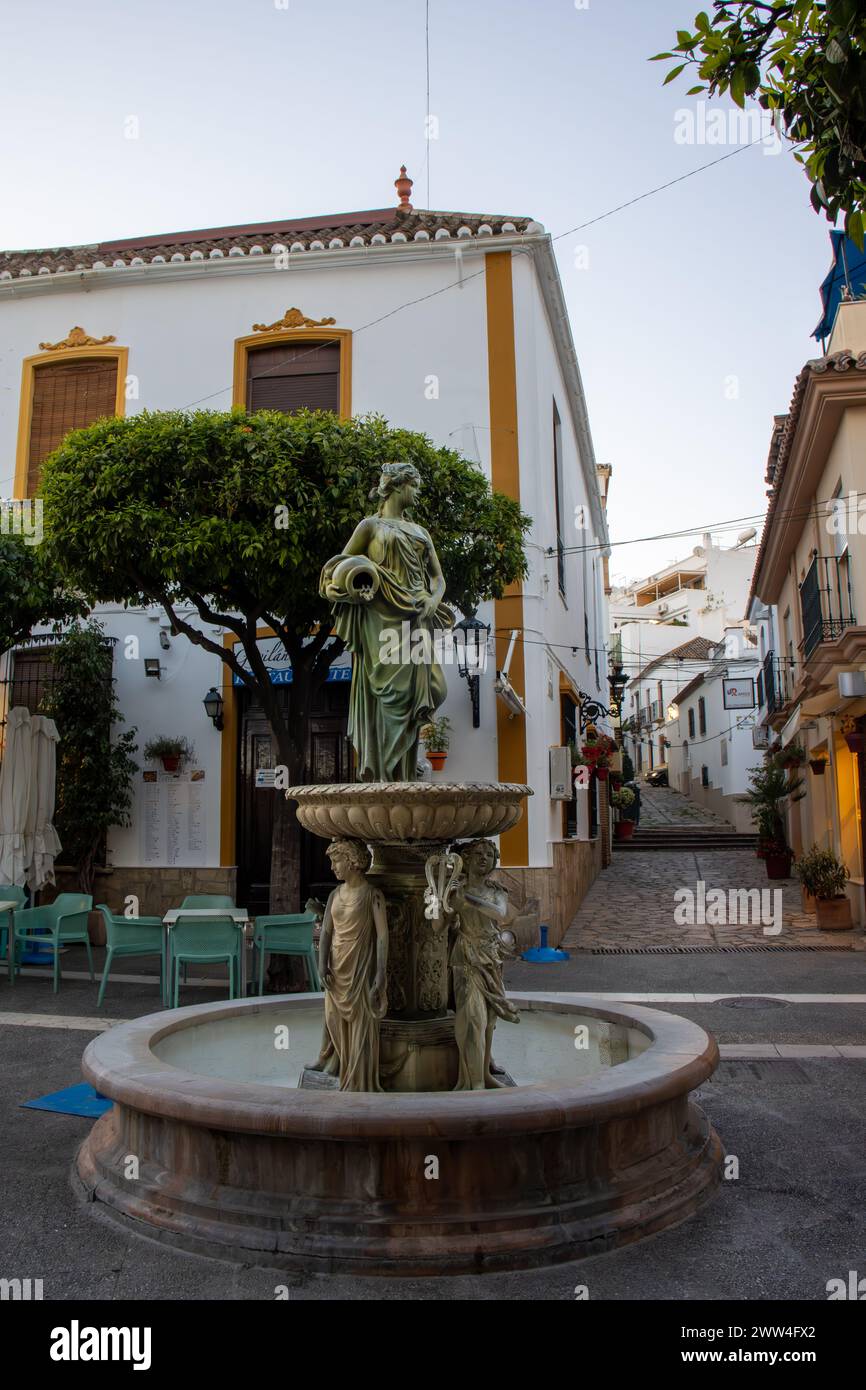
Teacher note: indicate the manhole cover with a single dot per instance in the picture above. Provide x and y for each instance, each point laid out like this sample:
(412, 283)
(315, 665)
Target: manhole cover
(754, 1001)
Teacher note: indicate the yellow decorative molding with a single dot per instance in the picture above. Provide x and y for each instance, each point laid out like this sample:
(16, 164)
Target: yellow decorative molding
(260, 339)
(77, 338)
(292, 318)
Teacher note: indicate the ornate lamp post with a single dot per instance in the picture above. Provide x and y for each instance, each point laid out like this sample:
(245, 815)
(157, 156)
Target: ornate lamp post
(470, 645)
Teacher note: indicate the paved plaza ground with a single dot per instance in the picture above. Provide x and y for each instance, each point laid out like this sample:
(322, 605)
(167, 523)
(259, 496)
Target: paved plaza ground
(788, 1101)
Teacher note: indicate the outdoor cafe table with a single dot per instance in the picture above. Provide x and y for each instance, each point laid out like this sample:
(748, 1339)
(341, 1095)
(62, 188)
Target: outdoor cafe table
(239, 915)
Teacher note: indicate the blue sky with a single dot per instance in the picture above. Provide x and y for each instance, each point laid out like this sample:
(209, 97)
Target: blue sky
(691, 311)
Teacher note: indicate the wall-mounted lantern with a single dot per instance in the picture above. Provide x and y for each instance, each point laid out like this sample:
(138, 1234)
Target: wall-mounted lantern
(470, 646)
(214, 704)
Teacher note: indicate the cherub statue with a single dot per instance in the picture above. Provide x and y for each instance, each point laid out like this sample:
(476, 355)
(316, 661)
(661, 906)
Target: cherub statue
(353, 957)
(480, 908)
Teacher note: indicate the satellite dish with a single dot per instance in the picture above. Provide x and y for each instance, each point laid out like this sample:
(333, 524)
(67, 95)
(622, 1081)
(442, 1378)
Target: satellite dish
(746, 536)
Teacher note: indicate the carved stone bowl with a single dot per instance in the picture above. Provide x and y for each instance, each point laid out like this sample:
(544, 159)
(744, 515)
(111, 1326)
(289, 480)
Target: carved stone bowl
(394, 812)
(241, 1168)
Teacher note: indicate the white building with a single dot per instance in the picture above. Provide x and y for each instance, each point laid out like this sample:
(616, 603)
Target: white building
(663, 627)
(449, 323)
(710, 725)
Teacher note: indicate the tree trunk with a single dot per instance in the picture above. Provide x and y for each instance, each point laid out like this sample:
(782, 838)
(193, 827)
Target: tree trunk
(286, 974)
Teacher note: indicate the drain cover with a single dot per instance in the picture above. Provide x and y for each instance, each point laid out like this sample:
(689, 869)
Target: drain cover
(755, 1001)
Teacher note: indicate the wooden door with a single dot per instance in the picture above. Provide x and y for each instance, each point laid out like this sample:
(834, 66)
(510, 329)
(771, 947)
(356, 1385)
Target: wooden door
(329, 760)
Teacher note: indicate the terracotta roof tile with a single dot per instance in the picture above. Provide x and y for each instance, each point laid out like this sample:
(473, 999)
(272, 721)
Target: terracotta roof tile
(317, 233)
(696, 649)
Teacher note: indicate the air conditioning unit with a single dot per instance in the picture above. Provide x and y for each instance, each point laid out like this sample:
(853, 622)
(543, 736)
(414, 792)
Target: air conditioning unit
(560, 775)
(663, 608)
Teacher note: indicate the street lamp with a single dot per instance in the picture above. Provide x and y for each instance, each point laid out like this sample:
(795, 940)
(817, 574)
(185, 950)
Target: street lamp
(213, 705)
(470, 647)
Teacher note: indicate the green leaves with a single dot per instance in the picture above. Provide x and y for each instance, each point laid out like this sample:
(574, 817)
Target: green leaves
(31, 591)
(806, 60)
(163, 507)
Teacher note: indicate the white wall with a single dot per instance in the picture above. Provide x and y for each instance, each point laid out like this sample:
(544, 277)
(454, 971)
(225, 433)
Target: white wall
(180, 330)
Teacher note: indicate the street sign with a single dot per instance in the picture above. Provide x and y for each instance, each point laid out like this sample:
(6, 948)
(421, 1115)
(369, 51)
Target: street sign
(739, 693)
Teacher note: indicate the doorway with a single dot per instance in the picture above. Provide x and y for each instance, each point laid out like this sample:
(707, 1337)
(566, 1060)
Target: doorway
(329, 760)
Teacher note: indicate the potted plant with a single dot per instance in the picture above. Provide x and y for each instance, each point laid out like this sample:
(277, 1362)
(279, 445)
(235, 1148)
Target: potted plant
(436, 737)
(791, 757)
(824, 877)
(818, 764)
(622, 799)
(852, 735)
(171, 752)
(768, 795)
(598, 751)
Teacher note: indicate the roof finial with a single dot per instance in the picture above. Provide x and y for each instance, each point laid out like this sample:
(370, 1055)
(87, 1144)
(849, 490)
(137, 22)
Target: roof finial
(403, 185)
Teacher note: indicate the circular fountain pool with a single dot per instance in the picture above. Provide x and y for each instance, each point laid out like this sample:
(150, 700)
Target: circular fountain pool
(595, 1145)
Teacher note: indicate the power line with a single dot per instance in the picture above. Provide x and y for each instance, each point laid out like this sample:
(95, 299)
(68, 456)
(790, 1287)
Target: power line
(660, 188)
(464, 279)
(427, 123)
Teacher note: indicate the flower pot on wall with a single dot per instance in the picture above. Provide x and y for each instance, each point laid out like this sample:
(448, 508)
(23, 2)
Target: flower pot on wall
(854, 742)
(171, 764)
(818, 766)
(601, 773)
(436, 760)
(834, 914)
(778, 863)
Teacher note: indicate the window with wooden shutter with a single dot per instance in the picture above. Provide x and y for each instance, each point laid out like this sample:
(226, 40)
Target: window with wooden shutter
(66, 396)
(294, 376)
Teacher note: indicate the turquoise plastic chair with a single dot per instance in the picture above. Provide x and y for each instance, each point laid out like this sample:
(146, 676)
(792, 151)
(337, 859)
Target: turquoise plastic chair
(131, 936)
(204, 941)
(287, 935)
(207, 900)
(61, 923)
(9, 893)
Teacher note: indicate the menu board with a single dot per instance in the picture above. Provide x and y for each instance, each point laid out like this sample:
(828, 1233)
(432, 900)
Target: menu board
(173, 828)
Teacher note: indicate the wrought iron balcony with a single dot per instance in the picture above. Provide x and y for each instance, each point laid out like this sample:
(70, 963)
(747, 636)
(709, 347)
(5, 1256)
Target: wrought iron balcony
(778, 682)
(825, 601)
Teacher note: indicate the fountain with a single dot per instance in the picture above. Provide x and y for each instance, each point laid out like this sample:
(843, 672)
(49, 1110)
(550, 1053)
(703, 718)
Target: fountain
(376, 1130)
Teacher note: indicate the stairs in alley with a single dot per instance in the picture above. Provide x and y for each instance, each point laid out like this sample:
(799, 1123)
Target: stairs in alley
(686, 838)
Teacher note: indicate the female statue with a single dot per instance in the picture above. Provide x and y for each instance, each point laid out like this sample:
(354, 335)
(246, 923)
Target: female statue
(387, 589)
(481, 908)
(353, 957)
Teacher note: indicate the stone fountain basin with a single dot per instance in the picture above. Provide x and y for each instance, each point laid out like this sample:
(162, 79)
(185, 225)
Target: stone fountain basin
(297, 1179)
(397, 812)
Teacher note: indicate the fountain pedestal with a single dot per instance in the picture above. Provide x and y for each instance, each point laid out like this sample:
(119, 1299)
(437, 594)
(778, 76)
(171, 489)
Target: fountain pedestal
(404, 824)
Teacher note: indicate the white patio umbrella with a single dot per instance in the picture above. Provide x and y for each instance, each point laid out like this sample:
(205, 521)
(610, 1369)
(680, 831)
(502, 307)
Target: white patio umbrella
(16, 788)
(45, 842)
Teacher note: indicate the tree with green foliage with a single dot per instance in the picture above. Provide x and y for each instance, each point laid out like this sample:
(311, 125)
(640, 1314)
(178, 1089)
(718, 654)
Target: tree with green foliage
(31, 592)
(234, 515)
(95, 763)
(805, 62)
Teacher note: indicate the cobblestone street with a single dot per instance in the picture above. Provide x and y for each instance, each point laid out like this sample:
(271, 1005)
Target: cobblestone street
(632, 904)
(664, 806)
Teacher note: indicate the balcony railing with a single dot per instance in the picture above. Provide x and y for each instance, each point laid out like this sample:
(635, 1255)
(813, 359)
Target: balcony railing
(825, 601)
(778, 682)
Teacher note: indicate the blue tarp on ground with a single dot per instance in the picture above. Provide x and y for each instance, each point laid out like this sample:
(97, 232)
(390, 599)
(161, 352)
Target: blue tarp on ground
(845, 253)
(73, 1100)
